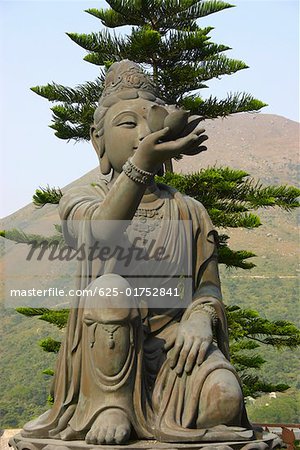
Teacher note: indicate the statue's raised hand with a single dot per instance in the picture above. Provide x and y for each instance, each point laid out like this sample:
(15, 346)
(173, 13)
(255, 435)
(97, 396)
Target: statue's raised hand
(154, 149)
(193, 339)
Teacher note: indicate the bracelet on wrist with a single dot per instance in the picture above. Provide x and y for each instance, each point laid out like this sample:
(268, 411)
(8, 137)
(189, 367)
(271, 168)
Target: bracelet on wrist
(208, 310)
(136, 174)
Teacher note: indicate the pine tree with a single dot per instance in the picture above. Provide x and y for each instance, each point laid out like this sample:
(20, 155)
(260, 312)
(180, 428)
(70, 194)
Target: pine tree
(167, 39)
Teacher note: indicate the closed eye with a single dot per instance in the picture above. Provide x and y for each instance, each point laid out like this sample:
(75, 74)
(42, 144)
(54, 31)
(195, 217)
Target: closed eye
(127, 124)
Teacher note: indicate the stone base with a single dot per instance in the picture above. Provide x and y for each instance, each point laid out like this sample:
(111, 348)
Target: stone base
(269, 441)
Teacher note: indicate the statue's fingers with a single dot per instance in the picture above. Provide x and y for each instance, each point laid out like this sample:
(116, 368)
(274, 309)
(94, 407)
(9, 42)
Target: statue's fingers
(195, 150)
(183, 356)
(199, 130)
(202, 138)
(159, 135)
(202, 352)
(174, 353)
(170, 343)
(192, 142)
(194, 146)
(191, 359)
(192, 123)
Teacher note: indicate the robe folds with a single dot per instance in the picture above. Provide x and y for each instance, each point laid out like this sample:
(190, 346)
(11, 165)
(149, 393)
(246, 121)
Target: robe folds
(165, 405)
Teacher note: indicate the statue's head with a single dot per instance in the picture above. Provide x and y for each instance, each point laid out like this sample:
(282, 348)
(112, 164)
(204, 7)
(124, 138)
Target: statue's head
(121, 118)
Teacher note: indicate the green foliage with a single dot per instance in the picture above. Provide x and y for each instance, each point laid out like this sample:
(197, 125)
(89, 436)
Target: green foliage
(50, 345)
(74, 114)
(45, 195)
(212, 107)
(229, 195)
(49, 372)
(24, 388)
(236, 258)
(58, 318)
(282, 409)
(248, 331)
(166, 37)
(36, 240)
(246, 323)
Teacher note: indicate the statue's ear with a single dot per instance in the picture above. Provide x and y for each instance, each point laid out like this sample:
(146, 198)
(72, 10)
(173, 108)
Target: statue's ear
(97, 141)
(98, 144)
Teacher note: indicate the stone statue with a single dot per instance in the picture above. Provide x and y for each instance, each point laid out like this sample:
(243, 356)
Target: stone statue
(129, 369)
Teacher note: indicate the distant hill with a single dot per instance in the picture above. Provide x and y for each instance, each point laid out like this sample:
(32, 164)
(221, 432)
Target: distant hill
(264, 145)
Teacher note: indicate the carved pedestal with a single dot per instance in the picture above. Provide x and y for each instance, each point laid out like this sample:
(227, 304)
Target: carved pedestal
(269, 441)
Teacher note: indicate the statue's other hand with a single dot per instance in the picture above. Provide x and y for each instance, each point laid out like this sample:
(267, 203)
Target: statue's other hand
(193, 339)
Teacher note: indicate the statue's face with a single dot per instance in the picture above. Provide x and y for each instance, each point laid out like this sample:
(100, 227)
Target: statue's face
(125, 125)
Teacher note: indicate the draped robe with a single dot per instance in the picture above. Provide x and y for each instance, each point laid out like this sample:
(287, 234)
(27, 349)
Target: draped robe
(165, 405)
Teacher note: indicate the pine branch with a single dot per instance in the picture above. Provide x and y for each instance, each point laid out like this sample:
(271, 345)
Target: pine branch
(245, 344)
(179, 48)
(219, 65)
(83, 93)
(67, 132)
(45, 195)
(31, 312)
(213, 108)
(245, 323)
(58, 318)
(112, 19)
(108, 47)
(286, 197)
(235, 258)
(242, 361)
(20, 237)
(144, 45)
(233, 220)
(253, 386)
(49, 372)
(50, 345)
(203, 9)
(229, 195)
(131, 9)
(177, 15)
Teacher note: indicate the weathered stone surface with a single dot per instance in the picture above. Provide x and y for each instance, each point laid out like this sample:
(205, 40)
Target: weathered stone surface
(137, 365)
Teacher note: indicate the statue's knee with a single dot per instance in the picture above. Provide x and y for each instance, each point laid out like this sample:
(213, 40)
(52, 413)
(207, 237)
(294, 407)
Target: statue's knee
(227, 389)
(109, 300)
(221, 399)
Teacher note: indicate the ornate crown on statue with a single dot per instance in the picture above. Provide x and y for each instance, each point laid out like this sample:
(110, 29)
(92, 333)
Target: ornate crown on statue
(125, 77)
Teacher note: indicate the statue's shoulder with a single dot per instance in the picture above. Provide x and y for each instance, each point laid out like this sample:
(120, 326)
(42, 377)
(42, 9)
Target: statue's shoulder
(195, 204)
(92, 190)
(191, 203)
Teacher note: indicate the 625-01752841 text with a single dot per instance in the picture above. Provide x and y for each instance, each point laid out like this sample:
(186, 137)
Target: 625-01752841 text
(103, 292)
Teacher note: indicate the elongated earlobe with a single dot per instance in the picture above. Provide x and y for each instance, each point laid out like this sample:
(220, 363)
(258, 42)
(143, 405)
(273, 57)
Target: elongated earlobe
(97, 141)
(105, 165)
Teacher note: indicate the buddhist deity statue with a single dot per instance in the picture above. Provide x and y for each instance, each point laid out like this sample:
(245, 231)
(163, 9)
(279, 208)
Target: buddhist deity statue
(154, 365)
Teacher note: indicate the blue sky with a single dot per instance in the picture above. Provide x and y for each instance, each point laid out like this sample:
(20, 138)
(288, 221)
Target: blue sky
(34, 51)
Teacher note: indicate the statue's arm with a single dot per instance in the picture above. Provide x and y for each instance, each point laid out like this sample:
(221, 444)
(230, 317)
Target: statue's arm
(195, 333)
(123, 199)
